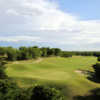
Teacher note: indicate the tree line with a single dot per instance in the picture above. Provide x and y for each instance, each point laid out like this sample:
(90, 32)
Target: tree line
(25, 53)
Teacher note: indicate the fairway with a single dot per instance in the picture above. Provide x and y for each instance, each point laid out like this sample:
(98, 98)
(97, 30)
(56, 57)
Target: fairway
(61, 73)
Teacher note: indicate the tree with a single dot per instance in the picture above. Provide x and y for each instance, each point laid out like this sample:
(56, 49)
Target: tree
(23, 53)
(44, 52)
(98, 58)
(2, 51)
(66, 54)
(10, 91)
(2, 68)
(57, 52)
(97, 70)
(45, 93)
(50, 51)
(11, 54)
(2, 73)
(29, 53)
(36, 52)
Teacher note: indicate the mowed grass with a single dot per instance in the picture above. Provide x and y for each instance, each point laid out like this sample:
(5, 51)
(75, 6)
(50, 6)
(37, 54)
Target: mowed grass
(58, 72)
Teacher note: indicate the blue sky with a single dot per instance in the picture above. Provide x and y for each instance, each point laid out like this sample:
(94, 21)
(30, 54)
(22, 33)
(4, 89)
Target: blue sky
(86, 9)
(66, 24)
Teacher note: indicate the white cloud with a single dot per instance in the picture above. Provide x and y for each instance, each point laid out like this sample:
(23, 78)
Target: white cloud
(19, 38)
(12, 12)
(45, 20)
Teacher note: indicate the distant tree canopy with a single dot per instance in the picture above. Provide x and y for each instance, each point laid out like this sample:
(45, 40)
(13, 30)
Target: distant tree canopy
(24, 53)
(11, 53)
(66, 54)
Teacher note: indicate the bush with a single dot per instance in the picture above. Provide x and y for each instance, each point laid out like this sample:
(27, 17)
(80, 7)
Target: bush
(2, 70)
(45, 93)
(97, 69)
(98, 58)
(10, 91)
(66, 54)
(11, 54)
(7, 90)
(2, 73)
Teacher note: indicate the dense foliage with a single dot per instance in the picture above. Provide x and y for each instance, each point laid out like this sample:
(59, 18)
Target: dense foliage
(2, 68)
(10, 91)
(97, 70)
(45, 93)
(99, 58)
(25, 53)
(66, 54)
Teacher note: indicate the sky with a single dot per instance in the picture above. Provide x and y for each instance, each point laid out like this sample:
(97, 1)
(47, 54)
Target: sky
(72, 25)
(85, 9)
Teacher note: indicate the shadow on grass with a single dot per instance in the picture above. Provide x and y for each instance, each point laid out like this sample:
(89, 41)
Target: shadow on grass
(92, 77)
(29, 82)
(94, 95)
(24, 81)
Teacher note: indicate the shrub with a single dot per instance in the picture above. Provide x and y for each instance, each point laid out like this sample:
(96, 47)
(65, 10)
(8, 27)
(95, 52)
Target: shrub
(7, 89)
(10, 91)
(99, 58)
(97, 69)
(2, 73)
(66, 54)
(11, 54)
(2, 70)
(45, 93)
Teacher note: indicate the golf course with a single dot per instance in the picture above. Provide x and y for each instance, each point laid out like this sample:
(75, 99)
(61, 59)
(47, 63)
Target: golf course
(69, 75)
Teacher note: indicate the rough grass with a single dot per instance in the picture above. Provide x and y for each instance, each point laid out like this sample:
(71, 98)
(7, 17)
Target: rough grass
(56, 72)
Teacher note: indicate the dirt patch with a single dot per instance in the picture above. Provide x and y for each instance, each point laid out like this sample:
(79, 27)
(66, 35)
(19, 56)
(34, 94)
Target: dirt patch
(38, 60)
(28, 62)
(84, 72)
(79, 71)
(16, 62)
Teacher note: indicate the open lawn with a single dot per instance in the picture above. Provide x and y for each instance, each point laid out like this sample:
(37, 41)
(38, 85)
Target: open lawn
(62, 73)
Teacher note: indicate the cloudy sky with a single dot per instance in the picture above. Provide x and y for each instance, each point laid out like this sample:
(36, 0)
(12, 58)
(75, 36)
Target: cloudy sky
(67, 24)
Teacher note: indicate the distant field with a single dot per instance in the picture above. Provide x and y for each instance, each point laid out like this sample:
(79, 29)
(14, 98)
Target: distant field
(62, 73)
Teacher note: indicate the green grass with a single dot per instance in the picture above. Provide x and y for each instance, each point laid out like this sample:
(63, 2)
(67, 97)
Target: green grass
(56, 72)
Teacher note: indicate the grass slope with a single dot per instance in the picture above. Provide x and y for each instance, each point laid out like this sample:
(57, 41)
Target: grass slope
(56, 72)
